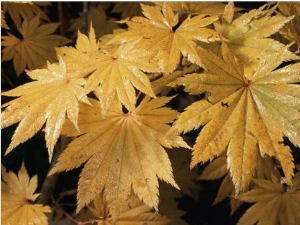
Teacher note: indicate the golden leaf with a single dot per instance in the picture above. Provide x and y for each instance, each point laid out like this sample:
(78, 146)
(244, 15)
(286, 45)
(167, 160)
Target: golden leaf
(162, 36)
(246, 112)
(118, 74)
(52, 97)
(110, 74)
(36, 46)
(123, 150)
(24, 10)
(273, 204)
(17, 196)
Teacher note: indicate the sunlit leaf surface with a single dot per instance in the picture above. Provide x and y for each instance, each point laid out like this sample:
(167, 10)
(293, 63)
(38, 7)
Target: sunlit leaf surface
(123, 150)
(17, 197)
(246, 112)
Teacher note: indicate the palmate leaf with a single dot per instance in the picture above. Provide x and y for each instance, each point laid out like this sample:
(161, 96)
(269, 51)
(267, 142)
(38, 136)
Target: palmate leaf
(246, 112)
(20, 11)
(115, 73)
(17, 195)
(162, 36)
(121, 151)
(36, 47)
(273, 205)
(119, 73)
(53, 96)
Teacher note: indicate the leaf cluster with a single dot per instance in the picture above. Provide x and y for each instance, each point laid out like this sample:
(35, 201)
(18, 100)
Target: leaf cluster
(112, 94)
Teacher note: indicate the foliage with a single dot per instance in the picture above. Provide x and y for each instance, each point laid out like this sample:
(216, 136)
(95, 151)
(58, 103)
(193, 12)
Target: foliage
(17, 197)
(131, 93)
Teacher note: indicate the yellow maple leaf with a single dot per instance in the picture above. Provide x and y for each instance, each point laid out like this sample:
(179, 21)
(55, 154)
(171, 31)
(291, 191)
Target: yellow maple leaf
(161, 34)
(121, 151)
(246, 112)
(119, 73)
(273, 204)
(17, 197)
(134, 212)
(35, 48)
(25, 10)
(112, 72)
(53, 96)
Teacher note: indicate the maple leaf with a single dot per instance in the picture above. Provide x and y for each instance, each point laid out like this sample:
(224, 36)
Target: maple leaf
(273, 204)
(24, 10)
(247, 34)
(50, 98)
(17, 197)
(134, 212)
(161, 34)
(246, 112)
(119, 73)
(111, 71)
(36, 46)
(79, 59)
(121, 151)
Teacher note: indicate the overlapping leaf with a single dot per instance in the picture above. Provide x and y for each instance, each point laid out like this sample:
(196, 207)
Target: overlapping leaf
(123, 150)
(112, 72)
(247, 34)
(128, 9)
(273, 204)
(118, 74)
(161, 34)
(17, 195)
(291, 30)
(134, 212)
(3, 20)
(96, 17)
(52, 97)
(20, 11)
(36, 47)
(246, 112)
